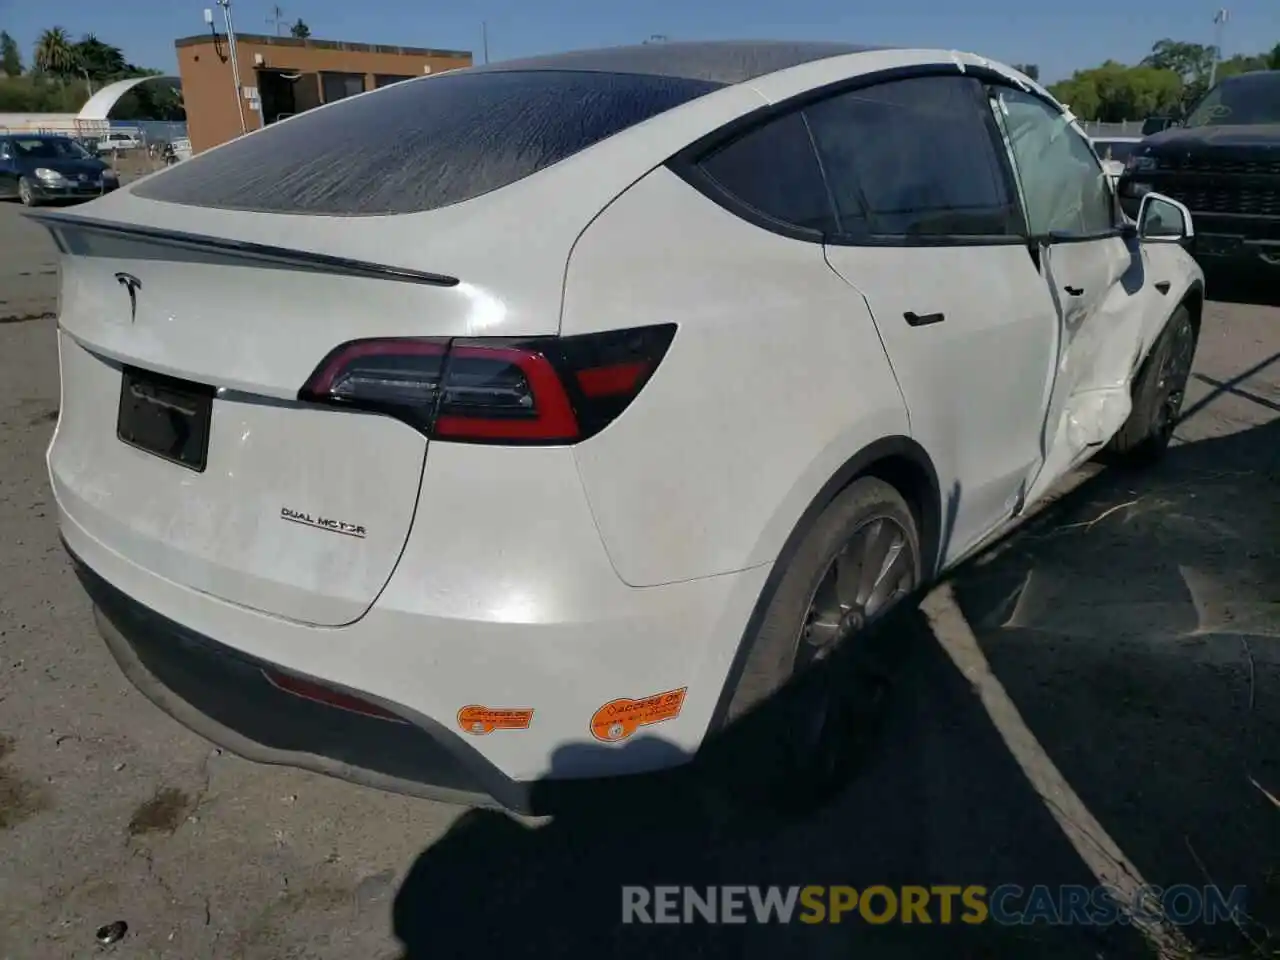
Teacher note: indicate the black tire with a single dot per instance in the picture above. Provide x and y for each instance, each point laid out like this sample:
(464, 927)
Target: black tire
(1158, 393)
(800, 724)
(25, 193)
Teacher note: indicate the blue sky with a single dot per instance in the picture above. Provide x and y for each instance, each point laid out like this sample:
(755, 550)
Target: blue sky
(1060, 36)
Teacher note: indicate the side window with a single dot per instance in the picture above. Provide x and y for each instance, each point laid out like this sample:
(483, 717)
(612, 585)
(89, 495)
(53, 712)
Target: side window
(915, 158)
(773, 170)
(1063, 186)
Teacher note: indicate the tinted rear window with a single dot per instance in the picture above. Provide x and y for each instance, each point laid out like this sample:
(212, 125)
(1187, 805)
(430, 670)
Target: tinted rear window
(421, 145)
(914, 157)
(774, 169)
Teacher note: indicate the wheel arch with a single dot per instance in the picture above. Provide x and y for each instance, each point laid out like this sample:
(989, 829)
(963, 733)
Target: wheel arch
(899, 461)
(1193, 300)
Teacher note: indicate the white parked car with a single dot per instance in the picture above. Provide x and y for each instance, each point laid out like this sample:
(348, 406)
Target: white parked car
(556, 412)
(117, 140)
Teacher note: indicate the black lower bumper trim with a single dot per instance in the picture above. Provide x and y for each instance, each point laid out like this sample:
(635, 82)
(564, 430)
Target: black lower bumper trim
(47, 194)
(223, 695)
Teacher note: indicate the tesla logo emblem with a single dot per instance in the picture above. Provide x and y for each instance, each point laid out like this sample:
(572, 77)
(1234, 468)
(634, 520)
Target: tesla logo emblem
(133, 285)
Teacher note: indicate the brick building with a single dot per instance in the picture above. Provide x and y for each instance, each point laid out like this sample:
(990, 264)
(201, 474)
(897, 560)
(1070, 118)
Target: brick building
(281, 76)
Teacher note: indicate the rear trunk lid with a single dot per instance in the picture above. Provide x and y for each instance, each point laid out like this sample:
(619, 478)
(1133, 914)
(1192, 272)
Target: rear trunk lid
(298, 512)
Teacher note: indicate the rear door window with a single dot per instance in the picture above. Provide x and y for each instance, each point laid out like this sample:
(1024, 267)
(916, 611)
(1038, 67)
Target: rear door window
(915, 158)
(774, 171)
(421, 144)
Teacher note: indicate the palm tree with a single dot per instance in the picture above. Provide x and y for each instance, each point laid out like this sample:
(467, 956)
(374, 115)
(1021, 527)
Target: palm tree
(55, 53)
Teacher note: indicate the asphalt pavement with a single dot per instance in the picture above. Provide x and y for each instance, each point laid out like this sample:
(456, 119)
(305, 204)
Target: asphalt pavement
(1134, 623)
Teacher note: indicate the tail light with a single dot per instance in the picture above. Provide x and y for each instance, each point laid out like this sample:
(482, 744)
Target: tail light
(553, 390)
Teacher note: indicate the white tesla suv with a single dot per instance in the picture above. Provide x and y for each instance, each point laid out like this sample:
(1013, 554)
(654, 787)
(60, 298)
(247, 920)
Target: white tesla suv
(529, 423)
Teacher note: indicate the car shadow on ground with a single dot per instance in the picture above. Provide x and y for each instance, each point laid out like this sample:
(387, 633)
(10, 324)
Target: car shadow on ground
(1135, 625)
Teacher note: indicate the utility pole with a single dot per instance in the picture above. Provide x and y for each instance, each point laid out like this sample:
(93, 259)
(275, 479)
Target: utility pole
(1219, 21)
(484, 38)
(277, 18)
(235, 62)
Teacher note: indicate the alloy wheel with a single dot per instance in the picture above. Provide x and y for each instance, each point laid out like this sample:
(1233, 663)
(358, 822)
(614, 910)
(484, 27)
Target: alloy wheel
(1175, 370)
(873, 570)
(876, 567)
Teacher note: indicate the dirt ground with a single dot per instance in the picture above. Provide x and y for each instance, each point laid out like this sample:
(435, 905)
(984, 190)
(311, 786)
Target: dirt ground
(1134, 623)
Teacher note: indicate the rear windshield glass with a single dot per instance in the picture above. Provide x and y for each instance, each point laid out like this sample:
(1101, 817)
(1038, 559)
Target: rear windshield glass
(420, 145)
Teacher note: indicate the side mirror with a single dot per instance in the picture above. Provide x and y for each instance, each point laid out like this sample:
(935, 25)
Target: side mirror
(1162, 219)
(1156, 124)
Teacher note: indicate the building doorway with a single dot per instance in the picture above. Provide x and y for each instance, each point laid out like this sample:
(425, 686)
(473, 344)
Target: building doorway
(284, 93)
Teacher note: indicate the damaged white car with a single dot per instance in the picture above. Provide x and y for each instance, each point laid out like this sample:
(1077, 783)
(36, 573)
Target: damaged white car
(531, 422)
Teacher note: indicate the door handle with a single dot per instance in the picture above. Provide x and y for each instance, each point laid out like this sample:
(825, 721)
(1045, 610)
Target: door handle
(1074, 291)
(919, 320)
(1163, 286)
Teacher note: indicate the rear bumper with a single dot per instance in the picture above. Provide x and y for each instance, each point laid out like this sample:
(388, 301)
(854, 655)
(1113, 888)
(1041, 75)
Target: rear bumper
(202, 660)
(224, 695)
(501, 602)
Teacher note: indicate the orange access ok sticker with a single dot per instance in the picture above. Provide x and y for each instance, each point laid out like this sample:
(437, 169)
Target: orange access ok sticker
(479, 720)
(619, 719)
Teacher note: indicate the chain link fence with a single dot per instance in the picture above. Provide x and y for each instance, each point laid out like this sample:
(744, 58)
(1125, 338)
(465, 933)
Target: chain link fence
(140, 148)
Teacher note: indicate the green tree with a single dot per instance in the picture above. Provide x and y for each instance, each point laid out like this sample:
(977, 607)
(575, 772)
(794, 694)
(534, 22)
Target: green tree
(1193, 62)
(300, 30)
(1273, 58)
(55, 53)
(1241, 63)
(1030, 69)
(10, 56)
(1079, 93)
(151, 101)
(1113, 92)
(101, 61)
(34, 93)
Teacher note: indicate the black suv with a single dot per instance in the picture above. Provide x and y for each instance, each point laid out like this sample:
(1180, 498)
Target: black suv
(1223, 162)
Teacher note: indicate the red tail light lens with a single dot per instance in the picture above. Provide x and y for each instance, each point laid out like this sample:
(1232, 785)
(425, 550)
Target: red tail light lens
(554, 390)
(319, 693)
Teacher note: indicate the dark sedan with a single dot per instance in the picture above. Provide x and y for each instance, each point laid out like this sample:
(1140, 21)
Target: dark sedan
(37, 168)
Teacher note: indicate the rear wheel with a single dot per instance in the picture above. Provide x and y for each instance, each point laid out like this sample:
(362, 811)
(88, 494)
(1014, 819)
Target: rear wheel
(861, 557)
(25, 193)
(1158, 393)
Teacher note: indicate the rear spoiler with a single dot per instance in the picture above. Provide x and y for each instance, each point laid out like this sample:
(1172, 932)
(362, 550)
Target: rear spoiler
(85, 236)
